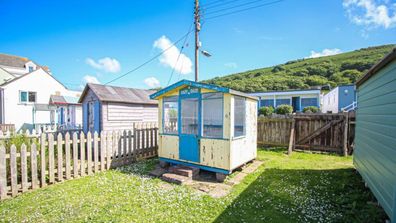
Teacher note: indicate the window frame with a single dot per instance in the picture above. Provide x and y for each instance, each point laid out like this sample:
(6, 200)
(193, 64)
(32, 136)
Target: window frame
(244, 120)
(177, 115)
(222, 114)
(27, 97)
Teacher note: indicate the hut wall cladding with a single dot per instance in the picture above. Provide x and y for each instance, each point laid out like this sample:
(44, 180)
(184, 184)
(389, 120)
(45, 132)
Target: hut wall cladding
(119, 116)
(314, 132)
(62, 157)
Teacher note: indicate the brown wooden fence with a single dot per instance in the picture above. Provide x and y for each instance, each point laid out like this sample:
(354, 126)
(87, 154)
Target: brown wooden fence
(314, 132)
(71, 156)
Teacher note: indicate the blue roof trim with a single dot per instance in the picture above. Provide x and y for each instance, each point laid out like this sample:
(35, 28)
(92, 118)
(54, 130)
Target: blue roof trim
(189, 83)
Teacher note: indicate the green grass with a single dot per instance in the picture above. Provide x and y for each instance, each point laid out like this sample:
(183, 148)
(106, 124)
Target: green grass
(302, 188)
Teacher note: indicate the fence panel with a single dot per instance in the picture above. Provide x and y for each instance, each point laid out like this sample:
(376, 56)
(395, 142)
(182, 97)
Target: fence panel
(314, 132)
(75, 157)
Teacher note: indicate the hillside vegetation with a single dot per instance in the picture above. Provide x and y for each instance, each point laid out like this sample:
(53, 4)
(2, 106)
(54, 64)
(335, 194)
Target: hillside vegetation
(344, 68)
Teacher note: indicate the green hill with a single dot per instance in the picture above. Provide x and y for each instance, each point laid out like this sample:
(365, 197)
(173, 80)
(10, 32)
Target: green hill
(344, 68)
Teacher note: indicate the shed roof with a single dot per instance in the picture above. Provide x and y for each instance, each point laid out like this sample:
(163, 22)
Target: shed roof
(119, 94)
(287, 92)
(378, 66)
(63, 100)
(199, 85)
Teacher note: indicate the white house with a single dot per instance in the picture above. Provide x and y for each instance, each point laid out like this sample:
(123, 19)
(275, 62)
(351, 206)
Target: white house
(25, 93)
(341, 98)
(66, 109)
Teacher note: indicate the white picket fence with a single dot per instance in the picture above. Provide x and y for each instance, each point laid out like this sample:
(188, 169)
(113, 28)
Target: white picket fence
(72, 156)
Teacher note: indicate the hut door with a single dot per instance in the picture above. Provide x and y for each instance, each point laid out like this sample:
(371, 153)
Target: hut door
(189, 128)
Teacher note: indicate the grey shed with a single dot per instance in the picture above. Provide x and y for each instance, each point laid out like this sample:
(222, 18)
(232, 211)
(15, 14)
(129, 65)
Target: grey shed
(107, 108)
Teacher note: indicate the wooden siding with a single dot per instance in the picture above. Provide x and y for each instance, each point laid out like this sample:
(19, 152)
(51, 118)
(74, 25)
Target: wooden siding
(169, 147)
(128, 114)
(375, 154)
(215, 153)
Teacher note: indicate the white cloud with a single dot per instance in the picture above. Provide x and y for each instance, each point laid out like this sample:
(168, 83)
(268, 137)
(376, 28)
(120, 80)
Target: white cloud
(89, 79)
(106, 64)
(152, 82)
(231, 65)
(371, 13)
(325, 52)
(169, 57)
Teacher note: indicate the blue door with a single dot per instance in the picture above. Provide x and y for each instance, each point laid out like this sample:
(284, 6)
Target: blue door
(189, 128)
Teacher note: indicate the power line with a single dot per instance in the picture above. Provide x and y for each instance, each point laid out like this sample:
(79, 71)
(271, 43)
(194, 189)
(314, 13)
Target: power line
(178, 57)
(211, 3)
(151, 59)
(245, 9)
(233, 7)
(219, 4)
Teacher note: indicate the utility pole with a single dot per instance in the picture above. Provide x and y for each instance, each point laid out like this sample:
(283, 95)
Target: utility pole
(197, 29)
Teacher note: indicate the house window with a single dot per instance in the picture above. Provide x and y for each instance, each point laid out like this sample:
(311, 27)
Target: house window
(31, 69)
(32, 96)
(305, 102)
(239, 116)
(285, 101)
(267, 102)
(212, 115)
(27, 96)
(170, 115)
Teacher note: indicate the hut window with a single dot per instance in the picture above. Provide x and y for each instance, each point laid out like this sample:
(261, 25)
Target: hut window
(212, 115)
(170, 115)
(305, 102)
(239, 116)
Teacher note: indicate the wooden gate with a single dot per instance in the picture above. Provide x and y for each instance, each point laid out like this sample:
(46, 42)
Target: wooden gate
(322, 132)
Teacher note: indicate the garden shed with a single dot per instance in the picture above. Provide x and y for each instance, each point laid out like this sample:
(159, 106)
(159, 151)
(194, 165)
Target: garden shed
(375, 152)
(108, 108)
(206, 126)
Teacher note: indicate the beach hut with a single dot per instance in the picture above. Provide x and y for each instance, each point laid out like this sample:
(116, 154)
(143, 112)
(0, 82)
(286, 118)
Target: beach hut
(375, 151)
(206, 126)
(111, 108)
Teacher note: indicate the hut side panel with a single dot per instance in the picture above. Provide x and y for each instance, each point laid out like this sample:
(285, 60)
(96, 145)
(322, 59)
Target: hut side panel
(119, 116)
(169, 147)
(375, 154)
(244, 149)
(215, 153)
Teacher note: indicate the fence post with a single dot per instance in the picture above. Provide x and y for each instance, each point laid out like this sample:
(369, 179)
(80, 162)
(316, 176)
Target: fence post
(89, 152)
(24, 176)
(96, 152)
(75, 155)
(42, 158)
(13, 171)
(33, 164)
(102, 150)
(345, 138)
(292, 138)
(82, 154)
(67, 156)
(60, 157)
(3, 173)
(51, 162)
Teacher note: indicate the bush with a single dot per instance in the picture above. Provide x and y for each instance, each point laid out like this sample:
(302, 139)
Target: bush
(311, 109)
(266, 111)
(284, 109)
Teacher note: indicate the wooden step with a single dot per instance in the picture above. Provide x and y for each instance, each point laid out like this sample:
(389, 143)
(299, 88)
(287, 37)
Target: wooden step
(174, 178)
(190, 172)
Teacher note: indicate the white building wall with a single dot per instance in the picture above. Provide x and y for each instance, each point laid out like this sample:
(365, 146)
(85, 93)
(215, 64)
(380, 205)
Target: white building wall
(330, 101)
(21, 114)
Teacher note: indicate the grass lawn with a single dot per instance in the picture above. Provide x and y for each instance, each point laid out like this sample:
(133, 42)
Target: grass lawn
(302, 188)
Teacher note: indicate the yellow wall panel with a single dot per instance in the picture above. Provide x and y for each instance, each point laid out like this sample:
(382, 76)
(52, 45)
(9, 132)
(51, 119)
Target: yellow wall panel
(227, 116)
(215, 153)
(169, 147)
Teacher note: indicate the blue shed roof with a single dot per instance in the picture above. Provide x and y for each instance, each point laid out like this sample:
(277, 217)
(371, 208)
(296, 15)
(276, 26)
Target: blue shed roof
(199, 85)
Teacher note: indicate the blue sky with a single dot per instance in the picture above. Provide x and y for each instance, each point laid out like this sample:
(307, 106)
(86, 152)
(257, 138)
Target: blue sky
(98, 41)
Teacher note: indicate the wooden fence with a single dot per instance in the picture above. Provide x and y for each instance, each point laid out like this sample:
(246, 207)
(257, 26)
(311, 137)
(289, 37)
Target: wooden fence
(71, 156)
(314, 132)
(7, 127)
